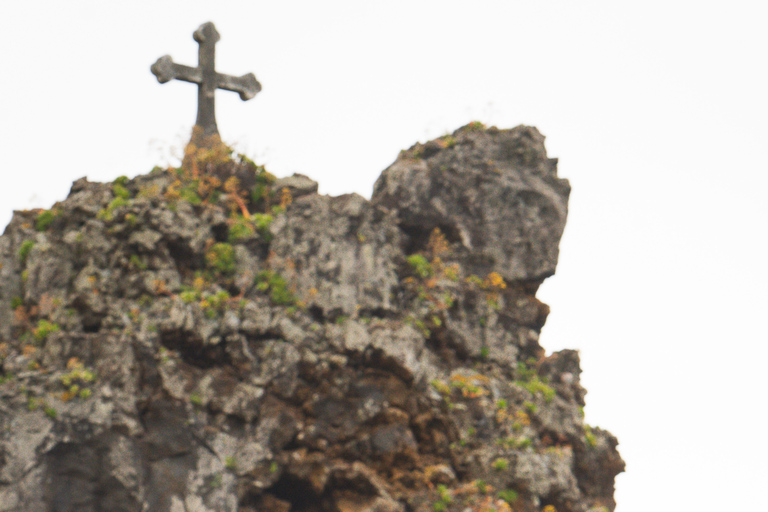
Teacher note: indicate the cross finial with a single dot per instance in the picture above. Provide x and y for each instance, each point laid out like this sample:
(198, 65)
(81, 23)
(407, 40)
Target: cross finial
(206, 78)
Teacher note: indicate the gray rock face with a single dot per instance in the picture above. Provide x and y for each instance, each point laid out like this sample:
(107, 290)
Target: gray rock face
(493, 191)
(183, 342)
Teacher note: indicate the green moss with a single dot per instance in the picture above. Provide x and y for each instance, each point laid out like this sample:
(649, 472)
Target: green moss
(196, 399)
(221, 257)
(26, 247)
(589, 436)
(44, 328)
(44, 219)
(16, 302)
(230, 463)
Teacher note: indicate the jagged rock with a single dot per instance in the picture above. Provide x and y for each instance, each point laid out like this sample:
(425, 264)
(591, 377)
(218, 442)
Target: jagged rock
(494, 191)
(179, 342)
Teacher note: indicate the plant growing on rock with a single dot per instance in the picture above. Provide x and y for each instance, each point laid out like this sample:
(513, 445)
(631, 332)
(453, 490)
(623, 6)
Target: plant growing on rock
(44, 219)
(44, 328)
(26, 247)
(277, 287)
(221, 257)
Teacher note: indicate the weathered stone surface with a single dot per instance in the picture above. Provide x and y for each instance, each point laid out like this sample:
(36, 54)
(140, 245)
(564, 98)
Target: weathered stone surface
(494, 191)
(183, 342)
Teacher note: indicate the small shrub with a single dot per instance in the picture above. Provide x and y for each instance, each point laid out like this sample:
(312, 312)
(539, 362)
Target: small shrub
(44, 219)
(509, 496)
(500, 464)
(536, 386)
(261, 222)
(277, 287)
(43, 329)
(476, 126)
(240, 230)
(221, 257)
(24, 250)
(420, 265)
(190, 296)
(120, 191)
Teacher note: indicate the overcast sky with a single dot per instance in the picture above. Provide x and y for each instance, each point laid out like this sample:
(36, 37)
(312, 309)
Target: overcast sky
(656, 109)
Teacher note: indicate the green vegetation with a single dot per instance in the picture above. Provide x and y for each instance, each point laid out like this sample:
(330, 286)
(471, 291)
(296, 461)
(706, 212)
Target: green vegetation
(420, 265)
(107, 214)
(44, 219)
(120, 191)
(26, 247)
(16, 302)
(230, 463)
(500, 464)
(189, 296)
(137, 262)
(443, 499)
(476, 126)
(196, 399)
(221, 257)
(589, 436)
(277, 287)
(214, 304)
(509, 496)
(528, 379)
(43, 329)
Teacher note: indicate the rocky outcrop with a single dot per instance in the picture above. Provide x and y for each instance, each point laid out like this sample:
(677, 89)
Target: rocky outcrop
(187, 340)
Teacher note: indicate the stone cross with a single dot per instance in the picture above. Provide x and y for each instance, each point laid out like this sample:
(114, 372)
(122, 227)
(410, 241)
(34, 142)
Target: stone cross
(206, 78)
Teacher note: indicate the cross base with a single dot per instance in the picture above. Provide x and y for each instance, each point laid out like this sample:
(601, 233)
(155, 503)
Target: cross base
(204, 148)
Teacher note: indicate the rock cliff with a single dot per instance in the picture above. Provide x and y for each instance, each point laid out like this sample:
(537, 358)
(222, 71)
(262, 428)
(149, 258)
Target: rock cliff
(212, 338)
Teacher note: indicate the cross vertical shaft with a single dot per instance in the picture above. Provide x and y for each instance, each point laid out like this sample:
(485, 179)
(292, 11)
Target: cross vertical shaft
(207, 36)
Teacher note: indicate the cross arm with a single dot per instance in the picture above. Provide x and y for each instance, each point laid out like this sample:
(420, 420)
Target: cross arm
(166, 70)
(246, 85)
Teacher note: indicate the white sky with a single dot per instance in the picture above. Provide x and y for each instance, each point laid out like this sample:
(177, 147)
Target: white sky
(656, 109)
